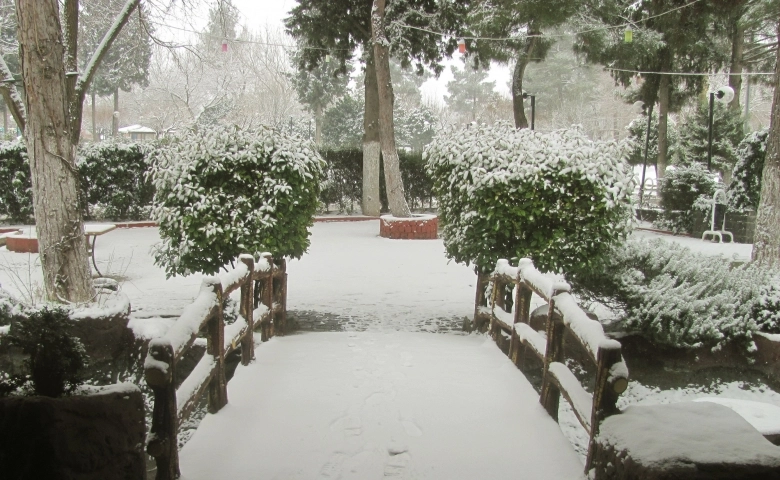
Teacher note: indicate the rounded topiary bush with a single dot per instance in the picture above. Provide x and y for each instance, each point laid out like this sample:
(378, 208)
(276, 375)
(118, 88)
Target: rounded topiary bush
(679, 190)
(114, 184)
(226, 191)
(15, 184)
(558, 198)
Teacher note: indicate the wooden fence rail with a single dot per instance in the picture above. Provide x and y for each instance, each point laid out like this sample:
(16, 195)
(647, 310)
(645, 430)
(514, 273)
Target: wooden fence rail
(263, 286)
(563, 314)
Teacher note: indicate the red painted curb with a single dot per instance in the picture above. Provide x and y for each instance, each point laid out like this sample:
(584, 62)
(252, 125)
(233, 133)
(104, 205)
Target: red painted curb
(21, 244)
(344, 219)
(418, 227)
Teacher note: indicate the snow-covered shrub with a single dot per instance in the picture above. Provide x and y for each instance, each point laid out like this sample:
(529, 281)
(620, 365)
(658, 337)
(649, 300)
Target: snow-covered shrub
(15, 186)
(57, 358)
(677, 297)
(679, 190)
(10, 308)
(231, 190)
(559, 198)
(745, 188)
(114, 184)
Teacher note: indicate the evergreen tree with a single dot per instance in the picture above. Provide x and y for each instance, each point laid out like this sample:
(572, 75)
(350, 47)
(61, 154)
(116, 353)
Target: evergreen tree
(126, 64)
(521, 25)
(317, 88)
(470, 91)
(727, 132)
(667, 36)
(745, 187)
(342, 123)
(637, 131)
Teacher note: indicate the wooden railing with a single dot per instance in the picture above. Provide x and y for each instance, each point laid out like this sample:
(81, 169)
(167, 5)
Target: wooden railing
(563, 314)
(263, 287)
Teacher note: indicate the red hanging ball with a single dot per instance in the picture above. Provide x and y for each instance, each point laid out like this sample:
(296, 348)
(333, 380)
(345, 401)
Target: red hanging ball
(462, 46)
(224, 45)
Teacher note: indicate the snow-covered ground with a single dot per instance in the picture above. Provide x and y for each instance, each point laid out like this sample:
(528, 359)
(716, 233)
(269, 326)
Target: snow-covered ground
(367, 405)
(378, 287)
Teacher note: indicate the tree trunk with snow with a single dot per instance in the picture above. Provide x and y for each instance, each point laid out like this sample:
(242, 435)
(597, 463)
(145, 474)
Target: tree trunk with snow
(663, 122)
(395, 187)
(94, 125)
(766, 246)
(60, 228)
(318, 125)
(115, 115)
(371, 204)
(523, 59)
(50, 116)
(735, 69)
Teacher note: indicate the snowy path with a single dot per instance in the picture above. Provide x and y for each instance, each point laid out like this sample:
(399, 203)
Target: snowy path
(371, 405)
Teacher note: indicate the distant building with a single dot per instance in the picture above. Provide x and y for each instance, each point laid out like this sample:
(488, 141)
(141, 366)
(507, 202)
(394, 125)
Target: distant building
(138, 133)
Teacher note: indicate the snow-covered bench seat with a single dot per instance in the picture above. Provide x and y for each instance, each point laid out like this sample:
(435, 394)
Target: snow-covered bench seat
(690, 440)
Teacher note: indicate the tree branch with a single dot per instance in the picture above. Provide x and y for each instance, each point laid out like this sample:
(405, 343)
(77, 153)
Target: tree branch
(11, 95)
(85, 79)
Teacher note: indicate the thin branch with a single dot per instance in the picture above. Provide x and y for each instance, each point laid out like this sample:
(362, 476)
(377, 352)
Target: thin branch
(11, 95)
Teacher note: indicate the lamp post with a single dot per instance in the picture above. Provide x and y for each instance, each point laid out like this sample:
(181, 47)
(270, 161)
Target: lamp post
(533, 107)
(643, 109)
(723, 95)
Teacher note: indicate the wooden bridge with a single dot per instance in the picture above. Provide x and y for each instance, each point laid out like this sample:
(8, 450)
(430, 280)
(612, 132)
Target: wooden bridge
(367, 405)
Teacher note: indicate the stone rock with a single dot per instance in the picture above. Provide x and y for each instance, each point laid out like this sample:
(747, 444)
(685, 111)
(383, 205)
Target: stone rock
(93, 437)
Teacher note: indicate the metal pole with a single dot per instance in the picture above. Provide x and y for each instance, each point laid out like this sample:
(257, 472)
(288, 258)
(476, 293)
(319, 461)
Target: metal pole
(533, 111)
(647, 147)
(709, 144)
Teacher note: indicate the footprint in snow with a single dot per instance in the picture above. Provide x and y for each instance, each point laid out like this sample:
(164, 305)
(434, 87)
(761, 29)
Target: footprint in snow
(332, 469)
(397, 466)
(411, 428)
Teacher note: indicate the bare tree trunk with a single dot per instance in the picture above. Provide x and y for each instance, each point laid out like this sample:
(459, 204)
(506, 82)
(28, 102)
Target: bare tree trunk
(663, 118)
(5, 121)
(766, 245)
(735, 69)
(395, 187)
(94, 127)
(48, 135)
(371, 151)
(523, 59)
(115, 115)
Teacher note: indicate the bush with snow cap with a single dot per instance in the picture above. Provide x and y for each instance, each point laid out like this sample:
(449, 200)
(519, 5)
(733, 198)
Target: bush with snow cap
(231, 190)
(558, 198)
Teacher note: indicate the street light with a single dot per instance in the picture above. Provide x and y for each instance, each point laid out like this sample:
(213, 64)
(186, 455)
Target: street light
(723, 95)
(533, 107)
(643, 109)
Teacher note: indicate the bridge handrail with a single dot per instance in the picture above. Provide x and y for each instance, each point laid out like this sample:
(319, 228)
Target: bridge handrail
(563, 313)
(263, 285)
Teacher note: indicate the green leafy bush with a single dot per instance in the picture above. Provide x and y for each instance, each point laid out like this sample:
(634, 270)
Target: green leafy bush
(231, 190)
(745, 188)
(15, 186)
(558, 198)
(57, 358)
(114, 184)
(679, 190)
(344, 185)
(677, 297)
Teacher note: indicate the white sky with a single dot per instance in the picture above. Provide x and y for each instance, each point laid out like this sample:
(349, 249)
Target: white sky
(271, 13)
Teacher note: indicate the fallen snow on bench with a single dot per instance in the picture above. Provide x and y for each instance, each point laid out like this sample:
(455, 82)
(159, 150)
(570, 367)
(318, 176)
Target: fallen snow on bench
(372, 404)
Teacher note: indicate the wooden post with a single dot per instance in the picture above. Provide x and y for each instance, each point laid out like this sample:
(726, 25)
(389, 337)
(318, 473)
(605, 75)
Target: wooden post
(163, 436)
(281, 298)
(480, 300)
(247, 311)
(496, 300)
(522, 315)
(605, 393)
(216, 347)
(551, 395)
(268, 300)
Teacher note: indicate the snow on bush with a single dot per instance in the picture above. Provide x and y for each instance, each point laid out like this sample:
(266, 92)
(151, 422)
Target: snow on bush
(558, 198)
(682, 190)
(114, 184)
(676, 297)
(15, 185)
(231, 190)
(745, 188)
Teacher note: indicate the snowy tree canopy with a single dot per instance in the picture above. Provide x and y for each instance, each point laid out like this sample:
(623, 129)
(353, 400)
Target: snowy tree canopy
(227, 191)
(558, 198)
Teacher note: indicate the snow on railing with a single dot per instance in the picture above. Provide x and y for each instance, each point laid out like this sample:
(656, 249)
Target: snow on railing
(510, 315)
(263, 285)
